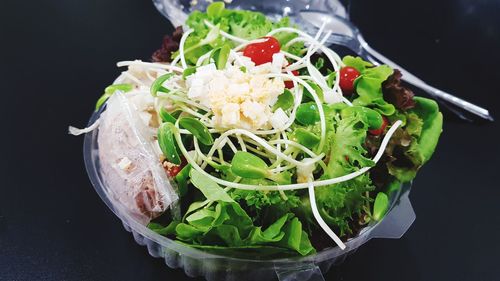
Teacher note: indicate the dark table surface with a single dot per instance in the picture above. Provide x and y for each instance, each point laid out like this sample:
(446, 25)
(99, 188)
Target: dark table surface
(57, 56)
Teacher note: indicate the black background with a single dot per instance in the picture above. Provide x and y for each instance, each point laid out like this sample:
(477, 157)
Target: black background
(57, 56)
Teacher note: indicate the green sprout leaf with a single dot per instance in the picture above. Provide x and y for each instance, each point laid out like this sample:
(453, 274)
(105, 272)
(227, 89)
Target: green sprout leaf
(166, 117)
(380, 206)
(182, 179)
(188, 71)
(195, 127)
(285, 101)
(158, 84)
(305, 137)
(166, 141)
(281, 178)
(220, 56)
(109, 91)
(307, 114)
(247, 165)
(317, 90)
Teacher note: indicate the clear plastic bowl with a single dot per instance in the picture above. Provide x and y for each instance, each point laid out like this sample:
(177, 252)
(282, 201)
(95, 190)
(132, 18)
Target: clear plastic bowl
(216, 267)
(195, 262)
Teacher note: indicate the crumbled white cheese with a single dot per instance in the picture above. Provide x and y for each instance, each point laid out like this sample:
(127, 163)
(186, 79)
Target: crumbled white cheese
(262, 68)
(278, 119)
(256, 113)
(230, 114)
(279, 62)
(243, 61)
(237, 99)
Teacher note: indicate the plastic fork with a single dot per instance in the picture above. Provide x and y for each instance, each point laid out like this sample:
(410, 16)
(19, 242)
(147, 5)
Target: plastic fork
(345, 33)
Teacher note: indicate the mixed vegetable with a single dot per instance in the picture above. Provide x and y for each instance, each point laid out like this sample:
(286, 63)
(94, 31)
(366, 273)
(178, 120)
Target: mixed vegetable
(275, 143)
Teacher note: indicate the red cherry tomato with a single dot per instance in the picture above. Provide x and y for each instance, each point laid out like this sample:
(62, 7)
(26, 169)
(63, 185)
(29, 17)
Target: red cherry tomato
(379, 131)
(262, 52)
(347, 76)
(289, 84)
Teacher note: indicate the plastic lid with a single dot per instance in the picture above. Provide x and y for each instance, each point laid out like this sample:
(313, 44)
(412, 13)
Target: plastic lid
(176, 11)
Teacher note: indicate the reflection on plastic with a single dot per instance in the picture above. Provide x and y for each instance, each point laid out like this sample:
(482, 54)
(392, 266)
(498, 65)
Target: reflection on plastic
(309, 272)
(398, 221)
(176, 11)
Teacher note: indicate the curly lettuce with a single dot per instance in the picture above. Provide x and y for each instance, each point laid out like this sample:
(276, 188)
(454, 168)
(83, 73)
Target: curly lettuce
(224, 225)
(244, 24)
(265, 206)
(340, 203)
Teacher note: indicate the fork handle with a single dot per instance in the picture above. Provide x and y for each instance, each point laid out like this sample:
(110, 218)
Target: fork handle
(417, 82)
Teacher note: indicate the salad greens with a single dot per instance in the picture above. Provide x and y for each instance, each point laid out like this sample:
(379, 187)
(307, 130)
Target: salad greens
(242, 24)
(222, 222)
(167, 143)
(340, 202)
(369, 85)
(380, 206)
(243, 140)
(424, 123)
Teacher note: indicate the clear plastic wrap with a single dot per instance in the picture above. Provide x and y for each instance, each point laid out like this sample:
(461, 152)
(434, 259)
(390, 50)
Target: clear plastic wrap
(399, 218)
(130, 166)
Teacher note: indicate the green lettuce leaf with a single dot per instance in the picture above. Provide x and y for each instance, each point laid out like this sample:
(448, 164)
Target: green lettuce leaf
(210, 189)
(225, 223)
(369, 88)
(428, 111)
(413, 146)
(339, 203)
(265, 207)
(247, 24)
(347, 152)
(163, 230)
(240, 23)
(369, 85)
(358, 63)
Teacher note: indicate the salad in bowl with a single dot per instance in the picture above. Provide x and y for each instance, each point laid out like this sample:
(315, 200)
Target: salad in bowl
(247, 137)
